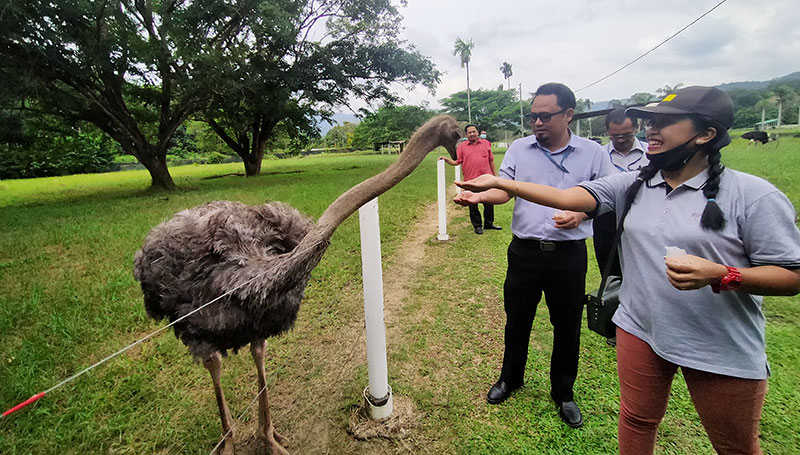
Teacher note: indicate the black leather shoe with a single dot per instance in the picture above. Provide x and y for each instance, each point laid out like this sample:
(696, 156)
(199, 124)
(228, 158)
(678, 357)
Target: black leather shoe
(612, 342)
(478, 230)
(500, 392)
(493, 227)
(570, 414)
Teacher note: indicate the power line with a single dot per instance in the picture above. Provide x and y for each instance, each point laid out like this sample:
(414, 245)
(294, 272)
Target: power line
(654, 48)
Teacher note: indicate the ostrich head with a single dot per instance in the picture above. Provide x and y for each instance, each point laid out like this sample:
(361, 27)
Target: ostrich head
(441, 130)
(449, 133)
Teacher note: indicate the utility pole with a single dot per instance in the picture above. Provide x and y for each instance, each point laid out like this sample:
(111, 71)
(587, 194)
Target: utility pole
(521, 123)
(469, 105)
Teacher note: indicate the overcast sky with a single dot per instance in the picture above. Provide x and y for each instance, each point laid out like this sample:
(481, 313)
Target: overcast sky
(577, 42)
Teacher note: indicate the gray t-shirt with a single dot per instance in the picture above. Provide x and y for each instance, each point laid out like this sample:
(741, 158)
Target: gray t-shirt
(719, 333)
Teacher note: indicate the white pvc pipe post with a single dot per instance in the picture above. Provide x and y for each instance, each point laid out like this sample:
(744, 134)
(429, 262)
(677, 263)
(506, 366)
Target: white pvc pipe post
(441, 187)
(458, 178)
(378, 394)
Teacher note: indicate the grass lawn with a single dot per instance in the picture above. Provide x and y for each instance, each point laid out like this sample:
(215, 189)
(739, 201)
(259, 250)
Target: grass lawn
(68, 299)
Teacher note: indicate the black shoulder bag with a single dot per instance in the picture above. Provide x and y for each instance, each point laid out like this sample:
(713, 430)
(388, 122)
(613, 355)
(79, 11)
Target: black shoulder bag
(602, 303)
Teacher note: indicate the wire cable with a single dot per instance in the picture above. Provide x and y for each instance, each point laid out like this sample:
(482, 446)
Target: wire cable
(654, 48)
(130, 346)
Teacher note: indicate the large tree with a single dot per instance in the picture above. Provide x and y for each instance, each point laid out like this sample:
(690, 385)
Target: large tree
(463, 50)
(390, 123)
(294, 60)
(493, 108)
(135, 68)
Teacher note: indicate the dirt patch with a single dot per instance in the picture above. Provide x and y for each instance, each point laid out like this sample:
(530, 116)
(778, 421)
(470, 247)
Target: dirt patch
(411, 255)
(399, 425)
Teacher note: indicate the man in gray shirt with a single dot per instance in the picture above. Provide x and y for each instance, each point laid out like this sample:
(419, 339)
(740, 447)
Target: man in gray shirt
(548, 252)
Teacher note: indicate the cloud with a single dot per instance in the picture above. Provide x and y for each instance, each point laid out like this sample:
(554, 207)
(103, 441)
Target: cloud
(578, 42)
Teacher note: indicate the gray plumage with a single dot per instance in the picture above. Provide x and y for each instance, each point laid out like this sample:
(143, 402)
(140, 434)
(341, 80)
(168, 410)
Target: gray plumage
(202, 253)
(207, 251)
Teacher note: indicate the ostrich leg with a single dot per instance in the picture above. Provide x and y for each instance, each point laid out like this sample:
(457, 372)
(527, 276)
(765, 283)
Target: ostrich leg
(274, 440)
(213, 364)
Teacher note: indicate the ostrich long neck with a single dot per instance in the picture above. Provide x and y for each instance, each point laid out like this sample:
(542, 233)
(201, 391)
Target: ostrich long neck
(423, 141)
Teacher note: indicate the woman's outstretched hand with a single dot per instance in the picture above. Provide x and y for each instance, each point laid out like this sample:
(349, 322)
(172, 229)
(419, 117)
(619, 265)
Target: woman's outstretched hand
(481, 183)
(687, 272)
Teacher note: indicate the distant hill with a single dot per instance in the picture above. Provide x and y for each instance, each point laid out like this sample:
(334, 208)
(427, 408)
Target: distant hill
(747, 85)
(339, 118)
(759, 85)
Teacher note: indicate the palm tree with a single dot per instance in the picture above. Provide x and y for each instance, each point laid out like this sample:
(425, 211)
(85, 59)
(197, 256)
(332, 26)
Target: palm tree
(463, 50)
(667, 89)
(506, 70)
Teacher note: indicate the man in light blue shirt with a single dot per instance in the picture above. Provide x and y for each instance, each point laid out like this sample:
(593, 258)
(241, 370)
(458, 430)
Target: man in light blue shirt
(548, 252)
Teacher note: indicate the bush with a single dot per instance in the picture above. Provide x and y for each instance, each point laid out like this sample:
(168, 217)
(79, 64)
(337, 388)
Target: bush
(81, 153)
(125, 159)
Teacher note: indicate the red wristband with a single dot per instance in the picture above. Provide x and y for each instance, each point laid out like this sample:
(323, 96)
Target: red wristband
(730, 282)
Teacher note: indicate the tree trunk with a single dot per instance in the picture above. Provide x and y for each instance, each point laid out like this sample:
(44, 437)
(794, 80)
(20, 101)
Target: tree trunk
(469, 105)
(159, 174)
(252, 166)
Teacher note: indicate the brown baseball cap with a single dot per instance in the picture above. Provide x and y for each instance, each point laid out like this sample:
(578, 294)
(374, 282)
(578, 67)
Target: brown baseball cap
(709, 102)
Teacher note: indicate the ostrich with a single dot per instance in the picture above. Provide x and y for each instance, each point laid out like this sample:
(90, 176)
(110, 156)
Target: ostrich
(265, 254)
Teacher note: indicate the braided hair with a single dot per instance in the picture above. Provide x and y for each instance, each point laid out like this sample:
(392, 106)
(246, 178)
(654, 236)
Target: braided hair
(712, 218)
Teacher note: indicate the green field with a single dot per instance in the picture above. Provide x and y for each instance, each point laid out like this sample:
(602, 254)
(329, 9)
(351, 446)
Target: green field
(68, 299)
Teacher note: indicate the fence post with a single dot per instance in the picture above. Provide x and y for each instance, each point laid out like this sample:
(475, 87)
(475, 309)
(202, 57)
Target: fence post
(441, 187)
(378, 394)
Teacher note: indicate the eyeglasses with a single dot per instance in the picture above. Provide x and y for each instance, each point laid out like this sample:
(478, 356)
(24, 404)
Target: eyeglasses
(543, 116)
(620, 137)
(660, 121)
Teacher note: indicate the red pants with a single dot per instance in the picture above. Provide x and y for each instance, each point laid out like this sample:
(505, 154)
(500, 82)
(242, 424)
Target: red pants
(729, 408)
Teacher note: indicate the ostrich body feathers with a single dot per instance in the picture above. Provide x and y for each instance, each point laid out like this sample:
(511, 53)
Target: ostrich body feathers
(204, 252)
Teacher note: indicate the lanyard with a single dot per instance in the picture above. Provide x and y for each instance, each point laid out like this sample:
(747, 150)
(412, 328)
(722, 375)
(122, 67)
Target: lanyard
(564, 156)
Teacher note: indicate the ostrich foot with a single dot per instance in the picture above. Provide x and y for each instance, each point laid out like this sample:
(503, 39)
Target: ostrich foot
(275, 442)
(227, 448)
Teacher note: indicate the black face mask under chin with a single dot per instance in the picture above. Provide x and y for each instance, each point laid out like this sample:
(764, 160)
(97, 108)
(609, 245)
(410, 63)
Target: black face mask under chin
(673, 159)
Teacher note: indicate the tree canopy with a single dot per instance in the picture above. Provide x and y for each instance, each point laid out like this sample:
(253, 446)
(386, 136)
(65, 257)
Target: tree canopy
(390, 123)
(306, 58)
(139, 69)
(490, 108)
(135, 69)
(505, 68)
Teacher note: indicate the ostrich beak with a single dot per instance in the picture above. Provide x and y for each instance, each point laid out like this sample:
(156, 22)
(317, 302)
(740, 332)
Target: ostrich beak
(451, 149)
(450, 145)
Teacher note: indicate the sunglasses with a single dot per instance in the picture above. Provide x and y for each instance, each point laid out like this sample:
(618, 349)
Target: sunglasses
(660, 121)
(620, 137)
(543, 116)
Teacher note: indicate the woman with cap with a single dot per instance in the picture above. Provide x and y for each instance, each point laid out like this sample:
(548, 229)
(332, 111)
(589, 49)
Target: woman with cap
(698, 309)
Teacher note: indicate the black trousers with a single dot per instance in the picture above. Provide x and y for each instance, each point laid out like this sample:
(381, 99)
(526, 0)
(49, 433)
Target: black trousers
(561, 276)
(605, 227)
(475, 215)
